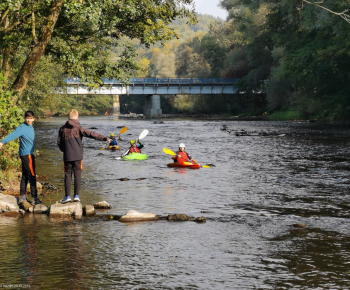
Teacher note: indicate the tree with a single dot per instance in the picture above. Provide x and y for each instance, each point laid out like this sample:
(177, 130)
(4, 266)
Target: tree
(79, 34)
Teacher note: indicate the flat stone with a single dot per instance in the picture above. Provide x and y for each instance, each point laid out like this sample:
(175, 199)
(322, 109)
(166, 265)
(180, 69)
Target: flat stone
(71, 209)
(8, 203)
(89, 210)
(40, 208)
(133, 215)
(102, 205)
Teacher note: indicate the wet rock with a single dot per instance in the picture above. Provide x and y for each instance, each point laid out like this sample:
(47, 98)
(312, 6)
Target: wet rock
(141, 178)
(200, 219)
(133, 215)
(93, 128)
(158, 122)
(124, 179)
(178, 217)
(48, 186)
(299, 225)
(72, 209)
(40, 208)
(224, 127)
(25, 205)
(8, 203)
(22, 212)
(102, 205)
(89, 210)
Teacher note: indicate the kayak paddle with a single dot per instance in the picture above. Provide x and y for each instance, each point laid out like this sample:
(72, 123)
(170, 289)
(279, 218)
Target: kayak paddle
(143, 134)
(123, 130)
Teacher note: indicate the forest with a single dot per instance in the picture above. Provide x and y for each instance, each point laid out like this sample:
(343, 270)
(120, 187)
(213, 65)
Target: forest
(291, 57)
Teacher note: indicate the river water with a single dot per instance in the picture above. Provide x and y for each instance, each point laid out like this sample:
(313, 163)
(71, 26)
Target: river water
(260, 189)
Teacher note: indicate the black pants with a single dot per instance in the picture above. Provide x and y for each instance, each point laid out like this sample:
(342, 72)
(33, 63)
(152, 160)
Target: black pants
(28, 174)
(69, 168)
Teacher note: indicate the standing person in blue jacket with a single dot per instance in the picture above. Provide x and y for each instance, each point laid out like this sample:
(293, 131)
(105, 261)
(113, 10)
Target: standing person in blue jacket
(25, 133)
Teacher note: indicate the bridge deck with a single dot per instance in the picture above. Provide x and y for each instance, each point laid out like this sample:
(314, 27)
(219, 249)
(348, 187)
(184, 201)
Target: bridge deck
(156, 86)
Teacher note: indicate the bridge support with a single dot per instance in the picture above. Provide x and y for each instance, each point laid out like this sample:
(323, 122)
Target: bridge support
(152, 107)
(116, 105)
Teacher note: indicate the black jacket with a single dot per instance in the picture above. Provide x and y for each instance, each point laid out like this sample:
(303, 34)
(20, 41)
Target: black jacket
(69, 140)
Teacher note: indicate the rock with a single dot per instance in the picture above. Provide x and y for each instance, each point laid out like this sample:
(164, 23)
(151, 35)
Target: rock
(89, 210)
(124, 179)
(8, 203)
(40, 208)
(133, 215)
(179, 217)
(25, 205)
(102, 205)
(39, 186)
(299, 225)
(22, 212)
(71, 209)
(200, 219)
(48, 185)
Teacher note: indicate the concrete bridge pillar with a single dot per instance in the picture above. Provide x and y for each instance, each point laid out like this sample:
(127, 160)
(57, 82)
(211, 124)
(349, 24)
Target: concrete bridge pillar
(152, 107)
(116, 105)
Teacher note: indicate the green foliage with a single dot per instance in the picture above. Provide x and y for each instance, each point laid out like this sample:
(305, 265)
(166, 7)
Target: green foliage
(87, 31)
(286, 116)
(10, 119)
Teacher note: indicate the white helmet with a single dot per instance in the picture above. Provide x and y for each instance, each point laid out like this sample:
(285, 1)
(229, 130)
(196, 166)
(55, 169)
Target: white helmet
(182, 145)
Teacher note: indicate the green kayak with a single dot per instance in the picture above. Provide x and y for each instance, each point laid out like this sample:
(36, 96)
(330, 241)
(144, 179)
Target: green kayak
(135, 156)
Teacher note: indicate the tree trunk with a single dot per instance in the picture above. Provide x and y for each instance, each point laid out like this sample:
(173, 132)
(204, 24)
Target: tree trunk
(20, 84)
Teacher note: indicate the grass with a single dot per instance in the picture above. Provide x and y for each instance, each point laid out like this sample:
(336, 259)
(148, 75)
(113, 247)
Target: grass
(286, 116)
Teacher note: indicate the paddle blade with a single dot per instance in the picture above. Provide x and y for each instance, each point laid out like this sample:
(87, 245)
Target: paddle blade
(143, 134)
(205, 166)
(168, 151)
(102, 148)
(123, 130)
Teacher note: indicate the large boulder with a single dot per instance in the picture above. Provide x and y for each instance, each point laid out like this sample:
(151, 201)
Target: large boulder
(71, 209)
(133, 215)
(8, 203)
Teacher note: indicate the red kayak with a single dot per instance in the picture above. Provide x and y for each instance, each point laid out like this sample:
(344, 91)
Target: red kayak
(185, 165)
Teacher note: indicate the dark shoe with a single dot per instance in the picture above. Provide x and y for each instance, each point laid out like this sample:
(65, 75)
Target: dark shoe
(76, 198)
(36, 201)
(66, 199)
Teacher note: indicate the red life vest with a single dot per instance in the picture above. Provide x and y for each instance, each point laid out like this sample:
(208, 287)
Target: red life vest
(135, 150)
(183, 155)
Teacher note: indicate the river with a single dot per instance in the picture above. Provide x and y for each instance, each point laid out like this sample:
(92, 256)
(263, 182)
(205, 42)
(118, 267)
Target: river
(277, 209)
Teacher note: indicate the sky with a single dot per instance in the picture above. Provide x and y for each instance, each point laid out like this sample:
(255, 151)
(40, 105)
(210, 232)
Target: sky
(210, 7)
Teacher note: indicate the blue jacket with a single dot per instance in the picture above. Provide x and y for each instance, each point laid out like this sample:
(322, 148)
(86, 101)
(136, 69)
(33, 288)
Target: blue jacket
(26, 136)
(113, 142)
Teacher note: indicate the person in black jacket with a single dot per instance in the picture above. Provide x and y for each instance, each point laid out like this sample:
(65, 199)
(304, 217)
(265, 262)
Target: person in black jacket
(69, 141)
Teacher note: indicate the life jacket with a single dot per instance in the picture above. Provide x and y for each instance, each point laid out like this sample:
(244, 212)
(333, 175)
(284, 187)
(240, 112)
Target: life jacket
(183, 155)
(135, 150)
(113, 142)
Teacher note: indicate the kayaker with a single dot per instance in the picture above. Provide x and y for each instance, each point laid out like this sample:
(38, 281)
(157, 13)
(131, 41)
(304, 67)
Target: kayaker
(114, 140)
(182, 155)
(134, 148)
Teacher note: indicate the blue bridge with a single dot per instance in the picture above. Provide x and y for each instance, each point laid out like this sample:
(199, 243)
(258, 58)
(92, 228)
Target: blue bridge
(152, 88)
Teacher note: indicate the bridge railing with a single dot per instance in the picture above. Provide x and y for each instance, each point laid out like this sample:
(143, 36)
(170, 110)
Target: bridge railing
(75, 80)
